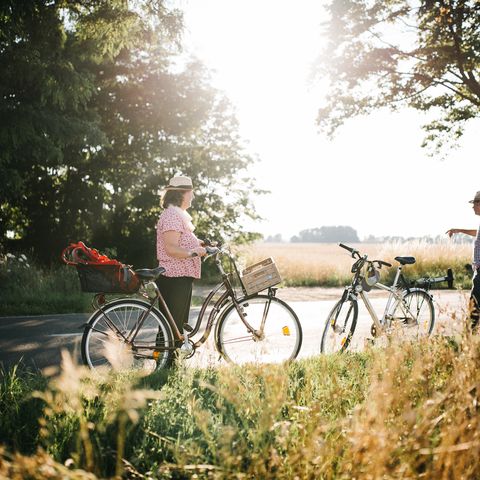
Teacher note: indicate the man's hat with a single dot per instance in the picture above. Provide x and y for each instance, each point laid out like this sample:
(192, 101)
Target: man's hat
(476, 198)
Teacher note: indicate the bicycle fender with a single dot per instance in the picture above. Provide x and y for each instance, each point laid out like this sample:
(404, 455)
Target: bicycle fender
(416, 289)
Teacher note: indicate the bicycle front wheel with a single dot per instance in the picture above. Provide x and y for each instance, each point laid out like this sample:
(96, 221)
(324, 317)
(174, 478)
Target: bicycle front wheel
(413, 316)
(109, 340)
(340, 326)
(277, 335)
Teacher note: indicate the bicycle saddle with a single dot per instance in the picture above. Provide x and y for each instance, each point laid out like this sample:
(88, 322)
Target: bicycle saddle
(149, 273)
(405, 260)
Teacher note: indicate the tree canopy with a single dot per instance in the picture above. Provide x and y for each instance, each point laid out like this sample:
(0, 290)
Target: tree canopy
(98, 109)
(395, 53)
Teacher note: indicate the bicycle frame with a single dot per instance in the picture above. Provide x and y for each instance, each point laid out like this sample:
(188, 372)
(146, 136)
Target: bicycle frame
(381, 324)
(226, 298)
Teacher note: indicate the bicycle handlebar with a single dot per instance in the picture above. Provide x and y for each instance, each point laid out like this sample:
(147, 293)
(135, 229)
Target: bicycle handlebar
(381, 262)
(346, 247)
(212, 250)
(350, 249)
(356, 253)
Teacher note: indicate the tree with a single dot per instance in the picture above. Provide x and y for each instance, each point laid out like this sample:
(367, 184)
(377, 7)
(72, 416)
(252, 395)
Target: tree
(397, 53)
(329, 234)
(277, 238)
(98, 109)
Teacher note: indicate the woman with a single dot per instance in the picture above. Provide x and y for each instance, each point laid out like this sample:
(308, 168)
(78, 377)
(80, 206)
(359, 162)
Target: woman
(178, 249)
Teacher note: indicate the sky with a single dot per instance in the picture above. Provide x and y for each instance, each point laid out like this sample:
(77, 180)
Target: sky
(373, 176)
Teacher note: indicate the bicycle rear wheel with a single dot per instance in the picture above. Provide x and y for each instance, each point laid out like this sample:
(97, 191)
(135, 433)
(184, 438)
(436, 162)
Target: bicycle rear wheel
(280, 340)
(105, 342)
(413, 316)
(340, 326)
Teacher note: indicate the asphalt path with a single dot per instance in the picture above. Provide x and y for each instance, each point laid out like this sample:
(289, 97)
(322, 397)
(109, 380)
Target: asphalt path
(38, 340)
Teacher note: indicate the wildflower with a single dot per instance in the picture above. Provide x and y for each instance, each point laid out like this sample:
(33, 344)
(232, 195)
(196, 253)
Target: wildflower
(10, 255)
(23, 257)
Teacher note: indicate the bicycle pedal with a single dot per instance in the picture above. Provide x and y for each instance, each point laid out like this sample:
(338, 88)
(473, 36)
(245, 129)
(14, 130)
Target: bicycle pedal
(186, 349)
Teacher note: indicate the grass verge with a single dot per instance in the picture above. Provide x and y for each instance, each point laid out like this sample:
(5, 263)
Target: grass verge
(407, 411)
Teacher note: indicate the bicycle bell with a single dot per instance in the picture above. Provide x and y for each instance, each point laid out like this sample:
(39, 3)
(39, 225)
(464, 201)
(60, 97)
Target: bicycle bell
(371, 277)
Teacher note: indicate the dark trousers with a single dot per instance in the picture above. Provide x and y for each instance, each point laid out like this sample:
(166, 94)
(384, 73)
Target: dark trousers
(177, 293)
(475, 300)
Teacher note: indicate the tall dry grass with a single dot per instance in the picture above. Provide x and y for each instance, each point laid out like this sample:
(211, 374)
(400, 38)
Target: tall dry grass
(407, 411)
(309, 264)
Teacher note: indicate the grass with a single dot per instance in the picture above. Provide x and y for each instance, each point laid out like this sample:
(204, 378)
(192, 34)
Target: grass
(407, 411)
(28, 289)
(328, 265)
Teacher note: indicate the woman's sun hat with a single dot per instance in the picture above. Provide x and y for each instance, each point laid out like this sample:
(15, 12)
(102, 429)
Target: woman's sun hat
(179, 183)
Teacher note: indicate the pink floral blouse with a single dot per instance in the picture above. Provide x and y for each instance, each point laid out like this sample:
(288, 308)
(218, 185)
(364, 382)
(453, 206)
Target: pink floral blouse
(171, 220)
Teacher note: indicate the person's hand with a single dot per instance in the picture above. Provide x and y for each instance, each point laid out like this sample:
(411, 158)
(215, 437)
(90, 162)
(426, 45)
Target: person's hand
(208, 243)
(452, 232)
(200, 251)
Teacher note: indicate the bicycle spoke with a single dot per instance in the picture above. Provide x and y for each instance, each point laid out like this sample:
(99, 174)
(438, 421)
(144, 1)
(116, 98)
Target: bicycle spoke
(339, 326)
(129, 318)
(248, 338)
(279, 341)
(413, 316)
(102, 344)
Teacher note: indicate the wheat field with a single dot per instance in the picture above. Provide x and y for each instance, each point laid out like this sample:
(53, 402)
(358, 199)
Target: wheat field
(326, 264)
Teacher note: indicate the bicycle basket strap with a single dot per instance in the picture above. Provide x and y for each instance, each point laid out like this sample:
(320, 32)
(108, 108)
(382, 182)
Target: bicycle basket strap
(129, 281)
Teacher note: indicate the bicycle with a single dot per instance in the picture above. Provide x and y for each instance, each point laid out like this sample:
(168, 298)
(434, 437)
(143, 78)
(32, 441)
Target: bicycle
(409, 311)
(133, 332)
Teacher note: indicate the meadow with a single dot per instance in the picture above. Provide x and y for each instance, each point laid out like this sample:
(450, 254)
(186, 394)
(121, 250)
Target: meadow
(404, 412)
(328, 265)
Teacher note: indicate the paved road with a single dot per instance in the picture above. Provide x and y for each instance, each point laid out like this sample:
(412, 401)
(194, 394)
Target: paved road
(38, 340)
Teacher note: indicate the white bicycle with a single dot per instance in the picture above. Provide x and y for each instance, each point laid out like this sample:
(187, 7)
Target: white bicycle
(409, 312)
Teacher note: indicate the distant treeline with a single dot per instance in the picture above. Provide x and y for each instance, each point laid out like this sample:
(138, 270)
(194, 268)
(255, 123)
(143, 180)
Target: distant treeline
(327, 235)
(346, 234)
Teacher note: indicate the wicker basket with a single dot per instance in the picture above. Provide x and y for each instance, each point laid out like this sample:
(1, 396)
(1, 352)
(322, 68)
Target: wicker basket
(260, 276)
(107, 279)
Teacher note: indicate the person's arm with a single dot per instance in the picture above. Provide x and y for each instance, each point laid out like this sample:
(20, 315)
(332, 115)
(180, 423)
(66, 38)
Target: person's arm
(171, 240)
(453, 231)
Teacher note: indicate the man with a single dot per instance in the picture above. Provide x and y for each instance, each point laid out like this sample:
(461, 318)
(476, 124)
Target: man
(474, 307)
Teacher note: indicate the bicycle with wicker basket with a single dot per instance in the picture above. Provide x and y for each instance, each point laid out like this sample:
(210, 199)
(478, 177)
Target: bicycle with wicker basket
(249, 326)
